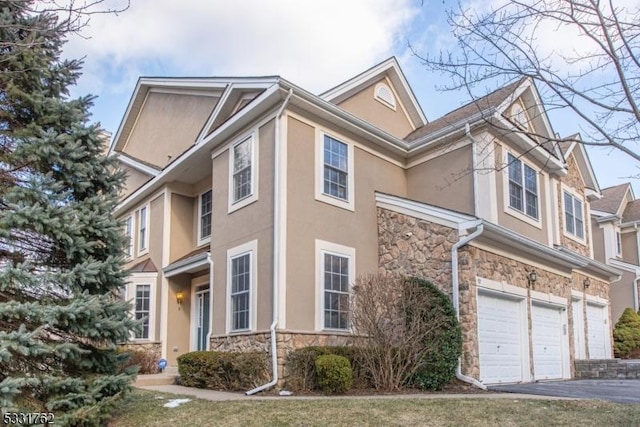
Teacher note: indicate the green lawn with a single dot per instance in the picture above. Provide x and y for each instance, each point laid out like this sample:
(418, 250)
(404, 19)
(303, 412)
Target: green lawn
(144, 408)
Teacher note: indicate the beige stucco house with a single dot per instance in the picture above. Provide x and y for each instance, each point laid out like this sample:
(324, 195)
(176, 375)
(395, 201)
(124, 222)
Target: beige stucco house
(615, 219)
(253, 204)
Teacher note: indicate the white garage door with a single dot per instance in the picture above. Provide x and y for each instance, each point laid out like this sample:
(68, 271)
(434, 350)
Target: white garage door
(598, 331)
(546, 334)
(499, 339)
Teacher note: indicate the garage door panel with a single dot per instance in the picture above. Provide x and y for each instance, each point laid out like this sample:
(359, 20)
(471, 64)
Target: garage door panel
(499, 339)
(547, 333)
(597, 331)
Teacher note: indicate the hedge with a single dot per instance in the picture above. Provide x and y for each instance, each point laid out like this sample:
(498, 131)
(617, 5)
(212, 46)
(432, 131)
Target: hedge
(229, 371)
(334, 373)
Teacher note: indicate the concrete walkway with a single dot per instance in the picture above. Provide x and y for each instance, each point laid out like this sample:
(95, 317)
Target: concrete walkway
(226, 396)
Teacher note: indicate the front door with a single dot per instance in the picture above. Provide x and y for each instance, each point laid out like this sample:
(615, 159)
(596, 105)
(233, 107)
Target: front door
(202, 316)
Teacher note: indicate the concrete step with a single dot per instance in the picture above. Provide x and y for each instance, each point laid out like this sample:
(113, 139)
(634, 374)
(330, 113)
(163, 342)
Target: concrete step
(155, 379)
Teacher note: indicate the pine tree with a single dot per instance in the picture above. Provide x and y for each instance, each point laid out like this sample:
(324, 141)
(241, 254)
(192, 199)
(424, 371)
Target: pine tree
(61, 251)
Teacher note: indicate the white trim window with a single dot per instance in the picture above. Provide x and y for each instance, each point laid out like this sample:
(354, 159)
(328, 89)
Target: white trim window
(573, 215)
(143, 231)
(523, 187)
(243, 175)
(241, 287)
(128, 235)
(335, 269)
(334, 171)
(205, 208)
(143, 310)
(618, 243)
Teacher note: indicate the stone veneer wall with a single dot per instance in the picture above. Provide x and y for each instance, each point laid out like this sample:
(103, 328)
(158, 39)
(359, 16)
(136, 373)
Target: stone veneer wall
(286, 342)
(573, 180)
(410, 246)
(414, 247)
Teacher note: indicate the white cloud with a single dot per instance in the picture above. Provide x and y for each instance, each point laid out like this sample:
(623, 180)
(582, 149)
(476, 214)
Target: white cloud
(315, 44)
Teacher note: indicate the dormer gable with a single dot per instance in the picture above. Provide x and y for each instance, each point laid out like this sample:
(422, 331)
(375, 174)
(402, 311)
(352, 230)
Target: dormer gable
(382, 97)
(576, 157)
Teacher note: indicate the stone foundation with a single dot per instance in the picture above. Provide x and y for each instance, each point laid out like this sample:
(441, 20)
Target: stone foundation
(286, 342)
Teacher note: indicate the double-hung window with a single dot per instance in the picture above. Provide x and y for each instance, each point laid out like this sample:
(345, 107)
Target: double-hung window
(336, 168)
(574, 223)
(143, 303)
(336, 291)
(523, 187)
(206, 207)
(128, 235)
(143, 235)
(242, 184)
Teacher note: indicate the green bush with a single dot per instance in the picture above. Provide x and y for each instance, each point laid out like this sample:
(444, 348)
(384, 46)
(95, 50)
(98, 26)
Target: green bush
(626, 334)
(223, 370)
(301, 367)
(444, 342)
(334, 373)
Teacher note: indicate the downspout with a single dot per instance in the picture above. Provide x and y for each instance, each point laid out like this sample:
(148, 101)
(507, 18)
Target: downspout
(456, 296)
(635, 293)
(276, 250)
(210, 261)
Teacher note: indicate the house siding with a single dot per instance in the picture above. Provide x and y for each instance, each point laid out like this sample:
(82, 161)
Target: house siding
(309, 219)
(364, 105)
(445, 181)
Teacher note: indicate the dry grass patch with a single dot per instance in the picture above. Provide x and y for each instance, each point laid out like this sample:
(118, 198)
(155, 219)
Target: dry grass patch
(145, 408)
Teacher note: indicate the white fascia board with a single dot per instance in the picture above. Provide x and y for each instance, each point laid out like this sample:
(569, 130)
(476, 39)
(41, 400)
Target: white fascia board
(368, 76)
(592, 266)
(127, 113)
(221, 102)
(624, 266)
(188, 265)
(441, 216)
(506, 236)
(532, 147)
(606, 217)
(123, 158)
(206, 146)
(347, 120)
(356, 81)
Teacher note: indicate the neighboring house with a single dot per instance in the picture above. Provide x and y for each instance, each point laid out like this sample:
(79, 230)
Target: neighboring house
(253, 205)
(615, 219)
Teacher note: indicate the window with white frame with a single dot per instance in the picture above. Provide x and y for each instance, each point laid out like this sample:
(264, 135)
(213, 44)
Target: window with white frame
(573, 217)
(242, 182)
(205, 207)
(523, 187)
(128, 234)
(241, 287)
(143, 234)
(618, 243)
(142, 310)
(335, 273)
(336, 168)
(336, 291)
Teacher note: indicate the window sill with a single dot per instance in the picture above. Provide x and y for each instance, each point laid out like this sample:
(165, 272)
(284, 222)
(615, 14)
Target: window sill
(523, 217)
(334, 201)
(575, 238)
(234, 206)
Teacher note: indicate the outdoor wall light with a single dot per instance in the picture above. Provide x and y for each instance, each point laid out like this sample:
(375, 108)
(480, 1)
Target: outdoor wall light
(586, 282)
(179, 297)
(532, 277)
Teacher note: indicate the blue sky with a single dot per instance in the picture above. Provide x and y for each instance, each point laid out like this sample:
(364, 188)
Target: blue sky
(315, 44)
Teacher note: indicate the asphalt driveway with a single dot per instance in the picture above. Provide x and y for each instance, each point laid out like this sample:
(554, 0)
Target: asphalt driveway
(620, 391)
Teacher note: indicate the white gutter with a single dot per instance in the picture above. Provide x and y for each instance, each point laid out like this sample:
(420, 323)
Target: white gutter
(456, 295)
(635, 294)
(210, 261)
(276, 250)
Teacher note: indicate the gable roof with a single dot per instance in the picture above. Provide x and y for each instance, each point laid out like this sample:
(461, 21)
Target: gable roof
(483, 107)
(572, 145)
(612, 198)
(392, 70)
(631, 212)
